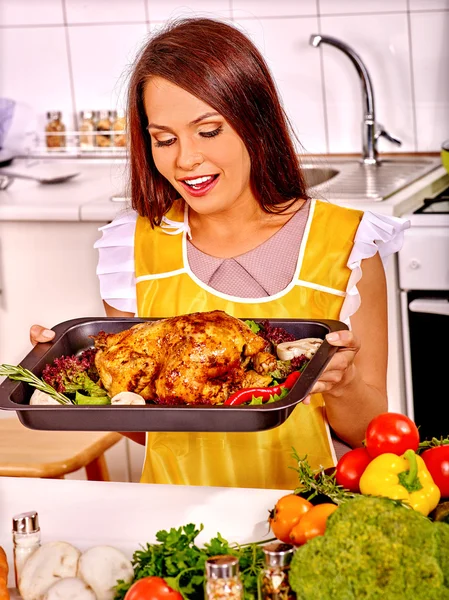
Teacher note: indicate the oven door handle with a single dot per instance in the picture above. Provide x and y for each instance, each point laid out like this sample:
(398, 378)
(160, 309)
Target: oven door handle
(435, 306)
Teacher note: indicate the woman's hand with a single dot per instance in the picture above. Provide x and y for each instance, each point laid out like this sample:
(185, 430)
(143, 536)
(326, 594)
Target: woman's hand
(40, 335)
(340, 369)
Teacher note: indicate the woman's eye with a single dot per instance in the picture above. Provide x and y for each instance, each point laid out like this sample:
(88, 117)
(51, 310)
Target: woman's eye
(210, 134)
(162, 143)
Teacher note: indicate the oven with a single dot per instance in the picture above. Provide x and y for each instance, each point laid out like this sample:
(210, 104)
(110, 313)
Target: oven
(424, 284)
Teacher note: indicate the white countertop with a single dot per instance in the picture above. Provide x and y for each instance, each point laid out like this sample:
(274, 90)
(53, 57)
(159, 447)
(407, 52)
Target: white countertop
(87, 197)
(127, 515)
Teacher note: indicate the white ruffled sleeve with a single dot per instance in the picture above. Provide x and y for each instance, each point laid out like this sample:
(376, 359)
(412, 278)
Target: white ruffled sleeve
(376, 233)
(115, 267)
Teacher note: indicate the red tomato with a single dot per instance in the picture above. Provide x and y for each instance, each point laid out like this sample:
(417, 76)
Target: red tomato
(437, 463)
(152, 588)
(350, 468)
(391, 432)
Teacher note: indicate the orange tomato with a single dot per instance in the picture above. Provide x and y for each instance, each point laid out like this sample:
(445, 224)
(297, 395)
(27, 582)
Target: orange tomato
(313, 523)
(286, 514)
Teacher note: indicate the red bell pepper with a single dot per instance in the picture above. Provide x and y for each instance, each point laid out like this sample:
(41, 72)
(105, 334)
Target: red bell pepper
(265, 393)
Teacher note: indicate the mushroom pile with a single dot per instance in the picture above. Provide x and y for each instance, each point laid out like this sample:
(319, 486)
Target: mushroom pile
(59, 571)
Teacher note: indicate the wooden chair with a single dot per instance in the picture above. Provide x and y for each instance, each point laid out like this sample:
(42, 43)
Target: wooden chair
(52, 454)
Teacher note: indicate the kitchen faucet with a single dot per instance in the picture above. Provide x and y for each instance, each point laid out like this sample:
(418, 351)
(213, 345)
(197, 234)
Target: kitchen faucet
(371, 131)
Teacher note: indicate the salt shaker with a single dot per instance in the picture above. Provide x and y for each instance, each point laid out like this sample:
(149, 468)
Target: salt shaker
(26, 536)
(223, 578)
(274, 577)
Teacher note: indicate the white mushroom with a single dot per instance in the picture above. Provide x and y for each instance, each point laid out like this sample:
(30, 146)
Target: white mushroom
(127, 398)
(42, 398)
(306, 347)
(71, 588)
(50, 563)
(101, 567)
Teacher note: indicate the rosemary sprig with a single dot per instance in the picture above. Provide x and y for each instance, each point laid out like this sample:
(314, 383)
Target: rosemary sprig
(433, 443)
(20, 374)
(319, 482)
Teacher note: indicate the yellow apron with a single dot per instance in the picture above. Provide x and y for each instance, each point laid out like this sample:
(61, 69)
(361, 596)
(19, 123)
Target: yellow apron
(165, 287)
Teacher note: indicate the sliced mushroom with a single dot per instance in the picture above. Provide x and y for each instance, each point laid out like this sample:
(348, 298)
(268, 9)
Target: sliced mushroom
(71, 588)
(50, 563)
(127, 398)
(306, 347)
(39, 397)
(101, 567)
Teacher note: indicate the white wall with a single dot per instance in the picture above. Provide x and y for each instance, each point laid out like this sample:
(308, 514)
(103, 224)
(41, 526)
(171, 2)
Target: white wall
(71, 55)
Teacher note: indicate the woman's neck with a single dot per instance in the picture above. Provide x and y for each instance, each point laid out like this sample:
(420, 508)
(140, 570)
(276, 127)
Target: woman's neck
(237, 230)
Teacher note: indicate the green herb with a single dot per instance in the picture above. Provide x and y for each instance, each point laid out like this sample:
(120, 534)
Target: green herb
(320, 483)
(84, 399)
(20, 374)
(273, 398)
(255, 327)
(433, 443)
(317, 483)
(177, 559)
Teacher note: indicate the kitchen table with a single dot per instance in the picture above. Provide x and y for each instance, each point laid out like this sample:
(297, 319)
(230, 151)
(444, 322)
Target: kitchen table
(126, 515)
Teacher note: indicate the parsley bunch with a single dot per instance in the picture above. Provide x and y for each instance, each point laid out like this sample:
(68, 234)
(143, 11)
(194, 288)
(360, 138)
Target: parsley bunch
(177, 559)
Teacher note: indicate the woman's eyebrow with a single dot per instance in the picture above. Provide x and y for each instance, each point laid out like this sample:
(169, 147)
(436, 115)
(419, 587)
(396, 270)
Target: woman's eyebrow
(194, 122)
(202, 117)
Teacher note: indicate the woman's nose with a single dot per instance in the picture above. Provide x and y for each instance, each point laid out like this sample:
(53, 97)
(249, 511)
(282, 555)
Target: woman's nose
(188, 156)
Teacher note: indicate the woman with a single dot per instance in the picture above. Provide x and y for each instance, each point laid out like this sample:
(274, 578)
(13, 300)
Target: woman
(222, 220)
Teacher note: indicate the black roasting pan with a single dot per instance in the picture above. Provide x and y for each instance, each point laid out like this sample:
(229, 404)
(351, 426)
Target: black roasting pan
(73, 336)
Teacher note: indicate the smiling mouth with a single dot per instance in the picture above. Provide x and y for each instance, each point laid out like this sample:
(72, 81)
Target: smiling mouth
(199, 183)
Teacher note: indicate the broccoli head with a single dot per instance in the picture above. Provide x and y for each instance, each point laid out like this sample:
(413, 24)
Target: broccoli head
(374, 549)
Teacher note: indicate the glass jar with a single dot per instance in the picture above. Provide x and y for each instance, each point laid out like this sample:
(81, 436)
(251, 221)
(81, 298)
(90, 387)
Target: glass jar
(223, 578)
(87, 129)
(104, 125)
(26, 537)
(55, 130)
(119, 128)
(274, 581)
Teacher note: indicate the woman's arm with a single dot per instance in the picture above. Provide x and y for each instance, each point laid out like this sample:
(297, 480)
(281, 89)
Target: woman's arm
(135, 436)
(354, 384)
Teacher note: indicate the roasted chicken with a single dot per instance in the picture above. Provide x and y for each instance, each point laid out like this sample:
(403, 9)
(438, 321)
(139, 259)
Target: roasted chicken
(200, 358)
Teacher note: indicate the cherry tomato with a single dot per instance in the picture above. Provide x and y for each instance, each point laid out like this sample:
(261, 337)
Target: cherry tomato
(152, 588)
(313, 523)
(287, 512)
(391, 432)
(350, 468)
(437, 463)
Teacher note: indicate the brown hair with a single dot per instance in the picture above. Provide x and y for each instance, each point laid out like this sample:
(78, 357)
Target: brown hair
(218, 64)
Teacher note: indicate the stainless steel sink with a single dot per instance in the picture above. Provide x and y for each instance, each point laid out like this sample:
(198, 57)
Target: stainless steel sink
(317, 175)
(350, 179)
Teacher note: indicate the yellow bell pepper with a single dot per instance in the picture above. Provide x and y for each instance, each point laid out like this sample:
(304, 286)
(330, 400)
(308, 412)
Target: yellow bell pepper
(401, 478)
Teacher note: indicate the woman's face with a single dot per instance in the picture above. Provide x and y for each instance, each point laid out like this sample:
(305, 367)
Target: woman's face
(196, 149)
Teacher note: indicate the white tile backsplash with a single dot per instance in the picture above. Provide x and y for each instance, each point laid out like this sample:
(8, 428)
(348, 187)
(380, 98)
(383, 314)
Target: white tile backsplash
(29, 12)
(431, 77)
(35, 69)
(382, 43)
(101, 60)
(161, 10)
(281, 8)
(104, 37)
(344, 7)
(429, 4)
(112, 11)
(295, 66)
